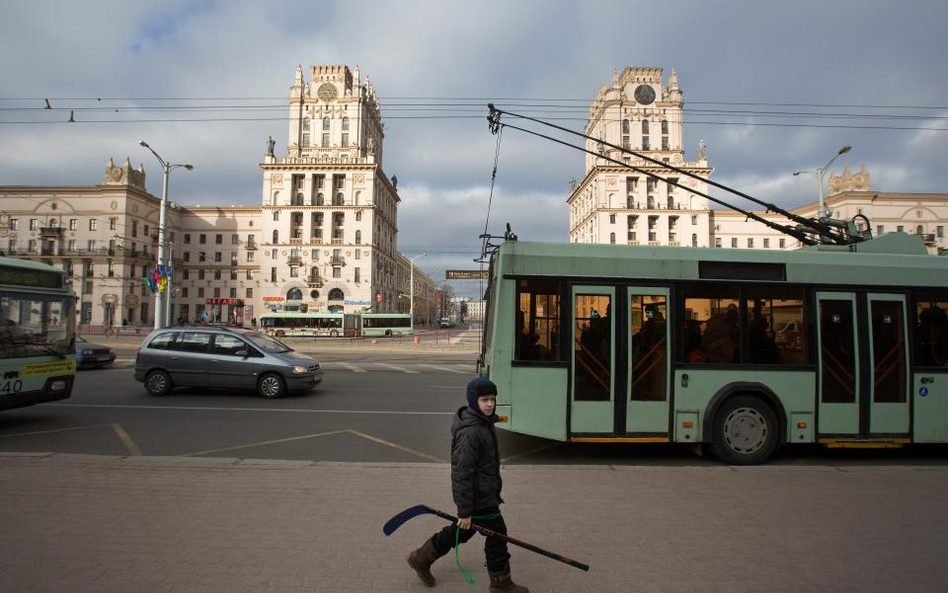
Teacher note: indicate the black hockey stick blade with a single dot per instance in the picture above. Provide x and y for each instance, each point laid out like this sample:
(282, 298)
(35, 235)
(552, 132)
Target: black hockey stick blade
(403, 517)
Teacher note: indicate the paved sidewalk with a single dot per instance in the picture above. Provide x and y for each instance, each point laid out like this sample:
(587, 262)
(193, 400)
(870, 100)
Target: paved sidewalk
(136, 524)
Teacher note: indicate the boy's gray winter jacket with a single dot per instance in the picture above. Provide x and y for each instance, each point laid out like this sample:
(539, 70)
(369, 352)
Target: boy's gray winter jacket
(475, 462)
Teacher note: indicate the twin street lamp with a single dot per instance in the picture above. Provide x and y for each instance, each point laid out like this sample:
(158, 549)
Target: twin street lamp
(821, 211)
(163, 308)
(411, 296)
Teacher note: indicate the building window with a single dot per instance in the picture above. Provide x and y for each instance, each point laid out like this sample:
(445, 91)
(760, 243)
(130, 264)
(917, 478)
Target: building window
(217, 274)
(33, 224)
(294, 272)
(612, 218)
(766, 243)
(200, 274)
(273, 274)
(645, 145)
(202, 239)
(235, 239)
(645, 126)
(939, 231)
(233, 274)
(218, 239)
(93, 224)
(612, 238)
(250, 256)
(750, 243)
(880, 230)
(665, 127)
(325, 123)
(345, 123)
(14, 224)
(276, 236)
(717, 241)
(73, 224)
(345, 140)
(900, 229)
(187, 238)
(337, 272)
(200, 292)
(733, 241)
(91, 245)
(113, 222)
(249, 294)
(325, 140)
(357, 274)
(358, 237)
(217, 256)
(783, 243)
(187, 256)
(202, 256)
(217, 292)
(233, 292)
(184, 292)
(249, 274)
(358, 254)
(694, 240)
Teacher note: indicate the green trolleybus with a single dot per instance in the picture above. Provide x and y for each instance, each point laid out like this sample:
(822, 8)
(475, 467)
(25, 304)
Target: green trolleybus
(386, 324)
(745, 350)
(37, 334)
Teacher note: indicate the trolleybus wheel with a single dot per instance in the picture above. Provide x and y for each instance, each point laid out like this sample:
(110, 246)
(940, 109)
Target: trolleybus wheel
(280, 333)
(271, 386)
(745, 431)
(158, 383)
(388, 332)
(334, 333)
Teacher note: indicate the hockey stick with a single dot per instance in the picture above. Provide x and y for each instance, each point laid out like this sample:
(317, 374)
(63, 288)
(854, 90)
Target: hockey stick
(410, 513)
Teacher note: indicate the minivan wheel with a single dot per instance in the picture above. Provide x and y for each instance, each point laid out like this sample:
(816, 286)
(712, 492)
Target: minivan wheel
(158, 383)
(271, 386)
(745, 431)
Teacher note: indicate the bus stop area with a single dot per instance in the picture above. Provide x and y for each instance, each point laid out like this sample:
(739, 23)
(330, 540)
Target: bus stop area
(102, 523)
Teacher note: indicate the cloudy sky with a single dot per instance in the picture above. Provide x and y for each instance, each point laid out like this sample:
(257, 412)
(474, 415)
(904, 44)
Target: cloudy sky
(870, 74)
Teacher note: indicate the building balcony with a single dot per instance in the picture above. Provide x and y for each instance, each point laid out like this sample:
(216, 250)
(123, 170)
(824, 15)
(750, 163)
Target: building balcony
(51, 232)
(338, 241)
(316, 241)
(296, 241)
(315, 282)
(251, 245)
(338, 260)
(633, 242)
(294, 260)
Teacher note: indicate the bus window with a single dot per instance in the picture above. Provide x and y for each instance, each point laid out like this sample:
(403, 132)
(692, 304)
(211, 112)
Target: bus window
(592, 349)
(775, 327)
(538, 320)
(648, 315)
(711, 327)
(838, 351)
(931, 330)
(888, 351)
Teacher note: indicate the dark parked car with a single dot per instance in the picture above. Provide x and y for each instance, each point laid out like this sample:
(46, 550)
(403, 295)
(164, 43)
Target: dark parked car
(223, 357)
(89, 355)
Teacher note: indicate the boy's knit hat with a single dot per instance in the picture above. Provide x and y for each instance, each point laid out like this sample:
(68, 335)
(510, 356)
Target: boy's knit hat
(478, 387)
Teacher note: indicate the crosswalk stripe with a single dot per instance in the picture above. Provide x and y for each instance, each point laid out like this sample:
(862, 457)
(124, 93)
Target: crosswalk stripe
(441, 368)
(397, 368)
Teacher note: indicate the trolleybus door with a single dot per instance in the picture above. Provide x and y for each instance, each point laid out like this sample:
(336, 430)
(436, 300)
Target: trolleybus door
(888, 352)
(592, 401)
(838, 363)
(646, 393)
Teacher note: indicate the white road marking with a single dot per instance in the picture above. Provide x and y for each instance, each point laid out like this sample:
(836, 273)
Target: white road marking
(354, 368)
(397, 368)
(441, 368)
(225, 409)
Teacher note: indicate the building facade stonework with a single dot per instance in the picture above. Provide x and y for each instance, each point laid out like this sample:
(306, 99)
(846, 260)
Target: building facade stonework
(616, 205)
(323, 238)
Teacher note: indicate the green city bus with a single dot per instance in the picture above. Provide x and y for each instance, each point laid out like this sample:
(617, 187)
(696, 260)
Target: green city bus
(310, 324)
(37, 334)
(745, 350)
(386, 324)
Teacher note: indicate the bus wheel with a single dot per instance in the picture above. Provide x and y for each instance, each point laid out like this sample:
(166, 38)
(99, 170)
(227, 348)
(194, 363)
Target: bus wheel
(334, 334)
(280, 333)
(745, 431)
(388, 332)
(271, 386)
(158, 383)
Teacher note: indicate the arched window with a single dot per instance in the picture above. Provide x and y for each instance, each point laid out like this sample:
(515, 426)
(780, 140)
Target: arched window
(612, 238)
(320, 199)
(298, 200)
(276, 236)
(338, 200)
(664, 126)
(918, 230)
(671, 202)
(345, 123)
(651, 202)
(645, 126)
(358, 237)
(336, 294)
(326, 123)
(294, 294)
(694, 240)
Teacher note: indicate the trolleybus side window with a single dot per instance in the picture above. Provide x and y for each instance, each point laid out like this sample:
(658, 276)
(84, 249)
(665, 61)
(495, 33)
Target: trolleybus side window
(775, 325)
(538, 320)
(649, 318)
(931, 330)
(592, 348)
(837, 351)
(888, 348)
(711, 325)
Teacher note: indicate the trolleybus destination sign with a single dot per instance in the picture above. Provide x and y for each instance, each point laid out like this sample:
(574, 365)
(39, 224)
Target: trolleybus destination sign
(465, 274)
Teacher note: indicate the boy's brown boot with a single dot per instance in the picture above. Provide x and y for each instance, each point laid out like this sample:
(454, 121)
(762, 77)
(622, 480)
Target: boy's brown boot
(422, 559)
(500, 582)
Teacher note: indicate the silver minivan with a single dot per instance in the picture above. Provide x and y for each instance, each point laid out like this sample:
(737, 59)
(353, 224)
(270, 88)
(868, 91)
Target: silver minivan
(223, 358)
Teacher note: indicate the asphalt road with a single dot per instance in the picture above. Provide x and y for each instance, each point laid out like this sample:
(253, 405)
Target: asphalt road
(371, 407)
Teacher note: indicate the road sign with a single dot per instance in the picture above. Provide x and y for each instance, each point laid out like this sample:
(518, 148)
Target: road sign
(465, 274)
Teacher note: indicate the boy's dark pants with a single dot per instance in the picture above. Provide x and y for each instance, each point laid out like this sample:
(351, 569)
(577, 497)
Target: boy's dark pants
(494, 548)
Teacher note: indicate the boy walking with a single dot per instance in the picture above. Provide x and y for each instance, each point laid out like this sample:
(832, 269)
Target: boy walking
(476, 485)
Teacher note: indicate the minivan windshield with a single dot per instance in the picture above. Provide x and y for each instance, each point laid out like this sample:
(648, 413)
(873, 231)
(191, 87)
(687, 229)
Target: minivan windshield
(267, 344)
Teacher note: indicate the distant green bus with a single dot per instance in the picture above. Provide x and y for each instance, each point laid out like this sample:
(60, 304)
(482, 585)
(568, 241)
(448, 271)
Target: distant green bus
(37, 334)
(281, 324)
(746, 350)
(386, 324)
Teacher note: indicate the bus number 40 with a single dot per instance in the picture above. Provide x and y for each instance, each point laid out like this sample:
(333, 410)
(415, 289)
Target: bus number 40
(12, 387)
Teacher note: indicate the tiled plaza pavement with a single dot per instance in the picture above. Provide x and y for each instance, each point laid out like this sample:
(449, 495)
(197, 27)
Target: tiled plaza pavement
(96, 523)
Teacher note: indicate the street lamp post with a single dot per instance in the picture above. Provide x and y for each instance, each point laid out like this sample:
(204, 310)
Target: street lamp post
(821, 209)
(411, 290)
(160, 305)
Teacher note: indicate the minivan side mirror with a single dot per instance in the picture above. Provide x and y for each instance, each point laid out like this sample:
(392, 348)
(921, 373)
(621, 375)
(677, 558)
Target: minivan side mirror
(243, 353)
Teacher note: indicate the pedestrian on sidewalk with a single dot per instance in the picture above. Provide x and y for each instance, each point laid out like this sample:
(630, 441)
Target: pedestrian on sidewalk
(476, 485)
